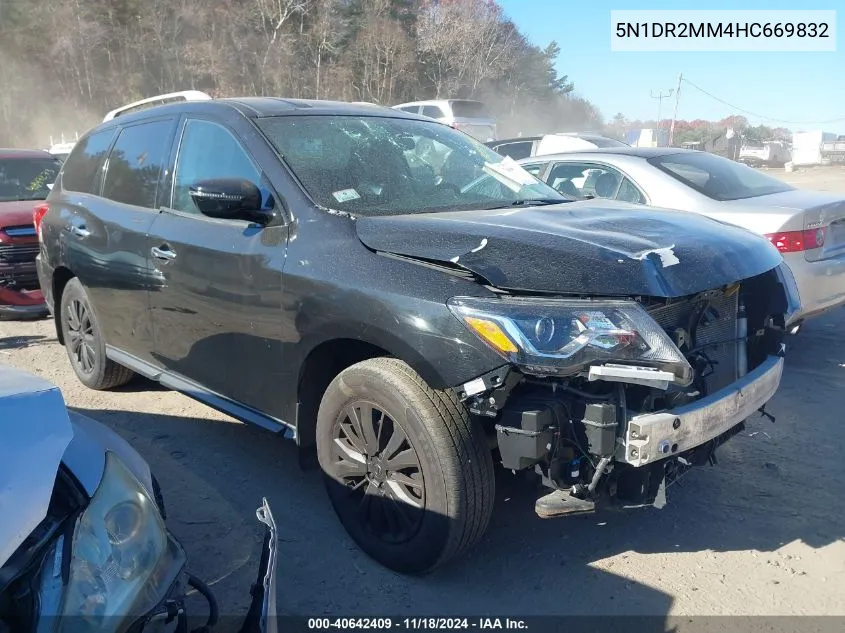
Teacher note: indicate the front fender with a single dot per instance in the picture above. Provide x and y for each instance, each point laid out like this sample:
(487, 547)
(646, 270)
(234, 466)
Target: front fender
(437, 346)
(85, 456)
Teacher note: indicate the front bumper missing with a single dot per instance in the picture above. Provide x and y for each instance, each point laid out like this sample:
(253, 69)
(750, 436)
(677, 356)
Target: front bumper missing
(654, 436)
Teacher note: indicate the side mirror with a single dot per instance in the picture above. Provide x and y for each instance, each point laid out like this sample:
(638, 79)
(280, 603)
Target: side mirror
(231, 199)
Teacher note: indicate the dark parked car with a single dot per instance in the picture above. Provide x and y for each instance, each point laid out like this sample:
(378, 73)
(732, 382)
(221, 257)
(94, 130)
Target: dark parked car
(24, 179)
(305, 266)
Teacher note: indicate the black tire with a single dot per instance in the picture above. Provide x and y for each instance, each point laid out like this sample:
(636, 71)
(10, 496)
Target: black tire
(436, 480)
(84, 343)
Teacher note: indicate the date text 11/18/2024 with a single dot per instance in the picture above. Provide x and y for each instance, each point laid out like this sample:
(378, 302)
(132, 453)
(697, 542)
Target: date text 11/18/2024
(412, 624)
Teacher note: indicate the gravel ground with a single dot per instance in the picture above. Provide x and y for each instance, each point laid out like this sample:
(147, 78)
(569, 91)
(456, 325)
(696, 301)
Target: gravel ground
(759, 534)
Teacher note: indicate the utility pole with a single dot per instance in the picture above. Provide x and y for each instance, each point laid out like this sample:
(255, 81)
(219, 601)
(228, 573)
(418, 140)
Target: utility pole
(660, 96)
(675, 113)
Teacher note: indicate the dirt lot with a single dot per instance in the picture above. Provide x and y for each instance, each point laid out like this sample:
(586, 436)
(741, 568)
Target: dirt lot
(761, 533)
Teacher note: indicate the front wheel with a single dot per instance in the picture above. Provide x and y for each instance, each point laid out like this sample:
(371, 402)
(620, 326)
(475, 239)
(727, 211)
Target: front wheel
(408, 472)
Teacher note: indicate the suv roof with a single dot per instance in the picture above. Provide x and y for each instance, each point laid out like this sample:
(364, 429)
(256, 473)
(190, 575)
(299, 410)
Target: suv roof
(437, 101)
(259, 107)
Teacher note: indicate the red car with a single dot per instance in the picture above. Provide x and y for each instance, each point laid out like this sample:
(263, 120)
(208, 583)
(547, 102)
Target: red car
(25, 177)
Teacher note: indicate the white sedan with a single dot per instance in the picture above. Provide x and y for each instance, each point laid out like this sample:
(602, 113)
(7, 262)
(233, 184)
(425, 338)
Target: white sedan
(807, 227)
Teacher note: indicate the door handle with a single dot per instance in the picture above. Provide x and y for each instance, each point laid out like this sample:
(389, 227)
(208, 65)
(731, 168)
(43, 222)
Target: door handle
(80, 231)
(162, 253)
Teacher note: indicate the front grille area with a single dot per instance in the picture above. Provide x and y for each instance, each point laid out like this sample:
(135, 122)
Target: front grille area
(17, 266)
(715, 335)
(18, 253)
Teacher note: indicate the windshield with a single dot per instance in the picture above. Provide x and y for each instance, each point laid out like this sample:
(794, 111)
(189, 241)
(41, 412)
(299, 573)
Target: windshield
(718, 178)
(27, 178)
(386, 166)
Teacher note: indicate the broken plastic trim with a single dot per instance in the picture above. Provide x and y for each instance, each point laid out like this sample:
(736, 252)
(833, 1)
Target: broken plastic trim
(632, 374)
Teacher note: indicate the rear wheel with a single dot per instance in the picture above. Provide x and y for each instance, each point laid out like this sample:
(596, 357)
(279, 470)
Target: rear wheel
(84, 342)
(408, 472)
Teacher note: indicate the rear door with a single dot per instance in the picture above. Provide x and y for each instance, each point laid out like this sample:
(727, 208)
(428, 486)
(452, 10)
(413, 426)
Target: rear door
(218, 314)
(105, 236)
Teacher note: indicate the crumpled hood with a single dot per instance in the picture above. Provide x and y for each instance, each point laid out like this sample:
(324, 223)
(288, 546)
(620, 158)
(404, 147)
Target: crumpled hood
(590, 247)
(34, 432)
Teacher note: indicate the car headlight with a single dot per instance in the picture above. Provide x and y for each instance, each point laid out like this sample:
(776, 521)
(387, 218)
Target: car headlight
(565, 336)
(122, 560)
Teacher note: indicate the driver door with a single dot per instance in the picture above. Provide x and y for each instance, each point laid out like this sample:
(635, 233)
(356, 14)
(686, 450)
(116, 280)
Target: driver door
(217, 315)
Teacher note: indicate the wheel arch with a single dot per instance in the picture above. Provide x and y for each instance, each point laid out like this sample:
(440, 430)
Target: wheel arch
(330, 356)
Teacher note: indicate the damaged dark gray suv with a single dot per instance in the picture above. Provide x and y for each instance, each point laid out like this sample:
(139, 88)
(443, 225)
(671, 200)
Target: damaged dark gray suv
(392, 293)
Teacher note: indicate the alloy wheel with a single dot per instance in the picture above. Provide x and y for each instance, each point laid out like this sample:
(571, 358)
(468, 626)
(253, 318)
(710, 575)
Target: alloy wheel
(375, 461)
(80, 336)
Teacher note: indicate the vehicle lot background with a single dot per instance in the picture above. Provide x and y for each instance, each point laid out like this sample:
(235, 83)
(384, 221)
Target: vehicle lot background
(761, 533)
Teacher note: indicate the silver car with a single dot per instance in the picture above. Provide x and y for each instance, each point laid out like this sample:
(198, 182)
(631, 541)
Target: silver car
(83, 541)
(807, 227)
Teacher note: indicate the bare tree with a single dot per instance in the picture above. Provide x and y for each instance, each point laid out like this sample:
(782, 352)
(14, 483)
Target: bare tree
(65, 62)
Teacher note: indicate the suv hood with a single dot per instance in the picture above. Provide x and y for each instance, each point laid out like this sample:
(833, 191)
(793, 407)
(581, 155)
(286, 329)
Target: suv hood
(17, 212)
(34, 432)
(581, 248)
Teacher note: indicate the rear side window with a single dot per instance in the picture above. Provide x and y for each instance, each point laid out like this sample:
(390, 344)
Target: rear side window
(432, 111)
(80, 170)
(628, 192)
(135, 163)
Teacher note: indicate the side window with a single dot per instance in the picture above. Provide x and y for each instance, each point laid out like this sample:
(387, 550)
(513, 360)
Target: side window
(412, 109)
(433, 111)
(628, 192)
(81, 167)
(585, 180)
(135, 163)
(208, 150)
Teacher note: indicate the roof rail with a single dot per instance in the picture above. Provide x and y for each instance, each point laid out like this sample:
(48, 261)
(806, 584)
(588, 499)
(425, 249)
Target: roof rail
(184, 95)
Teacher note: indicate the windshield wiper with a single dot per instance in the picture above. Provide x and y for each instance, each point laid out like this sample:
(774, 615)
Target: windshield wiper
(539, 202)
(531, 202)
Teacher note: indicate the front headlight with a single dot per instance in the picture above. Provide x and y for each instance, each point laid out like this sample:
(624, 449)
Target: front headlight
(122, 560)
(565, 336)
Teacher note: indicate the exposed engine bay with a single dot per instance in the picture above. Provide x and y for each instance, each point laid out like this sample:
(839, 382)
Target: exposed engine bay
(621, 432)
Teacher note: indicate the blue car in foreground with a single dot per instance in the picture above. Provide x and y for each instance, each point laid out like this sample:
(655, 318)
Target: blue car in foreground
(83, 541)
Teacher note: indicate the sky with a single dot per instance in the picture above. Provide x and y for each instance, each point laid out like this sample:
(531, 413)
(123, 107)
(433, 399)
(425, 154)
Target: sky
(802, 88)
